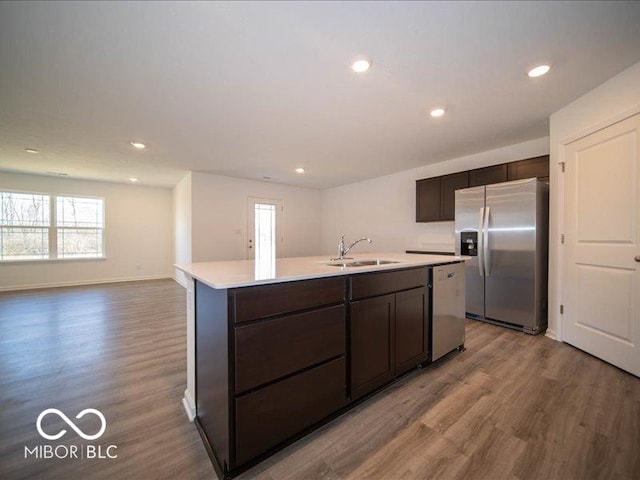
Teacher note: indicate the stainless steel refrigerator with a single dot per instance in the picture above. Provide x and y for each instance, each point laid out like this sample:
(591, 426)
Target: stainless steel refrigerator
(504, 229)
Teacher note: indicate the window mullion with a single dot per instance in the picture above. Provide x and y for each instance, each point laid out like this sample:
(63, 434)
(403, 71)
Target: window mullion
(53, 229)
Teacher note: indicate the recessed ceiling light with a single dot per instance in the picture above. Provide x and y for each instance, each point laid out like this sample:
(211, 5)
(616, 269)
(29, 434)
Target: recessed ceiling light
(133, 179)
(361, 65)
(31, 150)
(138, 145)
(538, 71)
(437, 112)
(299, 170)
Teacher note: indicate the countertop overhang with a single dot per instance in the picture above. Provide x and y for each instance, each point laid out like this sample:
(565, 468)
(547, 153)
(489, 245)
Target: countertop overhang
(246, 273)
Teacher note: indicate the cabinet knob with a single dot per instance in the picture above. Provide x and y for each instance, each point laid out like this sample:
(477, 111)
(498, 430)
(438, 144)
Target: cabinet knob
(637, 259)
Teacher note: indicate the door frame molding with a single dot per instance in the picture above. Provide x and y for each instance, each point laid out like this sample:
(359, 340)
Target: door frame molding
(560, 187)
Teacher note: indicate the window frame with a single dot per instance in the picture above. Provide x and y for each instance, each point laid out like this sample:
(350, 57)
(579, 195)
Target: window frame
(53, 228)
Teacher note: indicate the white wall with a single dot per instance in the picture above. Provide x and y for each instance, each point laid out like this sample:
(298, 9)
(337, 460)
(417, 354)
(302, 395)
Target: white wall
(383, 208)
(182, 226)
(138, 231)
(612, 101)
(219, 216)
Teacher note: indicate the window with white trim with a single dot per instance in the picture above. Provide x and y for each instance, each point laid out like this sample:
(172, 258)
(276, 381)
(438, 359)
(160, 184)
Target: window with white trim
(41, 226)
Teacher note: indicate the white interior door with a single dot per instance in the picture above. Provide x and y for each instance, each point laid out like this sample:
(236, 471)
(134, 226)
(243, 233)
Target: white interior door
(265, 239)
(602, 245)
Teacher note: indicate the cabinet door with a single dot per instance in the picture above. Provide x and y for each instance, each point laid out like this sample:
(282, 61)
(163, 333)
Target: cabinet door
(412, 329)
(448, 186)
(488, 175)
(428, 200)
(372, 344)
(537, 167)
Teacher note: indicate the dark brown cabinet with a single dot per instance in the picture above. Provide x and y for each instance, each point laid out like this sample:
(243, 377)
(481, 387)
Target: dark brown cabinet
(488, 175)
(266, 351)
(449, 185)
(372, 343)
(389, 333)
(274, 361)
(531, 168)
(269, 416)
(412, 329)
(428, 200)
(270, 362)
(435, 197)
(257, 302)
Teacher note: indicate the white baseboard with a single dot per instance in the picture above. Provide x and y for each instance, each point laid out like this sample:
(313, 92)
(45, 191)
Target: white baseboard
(551, 334)
(189, 405)
(11, 288)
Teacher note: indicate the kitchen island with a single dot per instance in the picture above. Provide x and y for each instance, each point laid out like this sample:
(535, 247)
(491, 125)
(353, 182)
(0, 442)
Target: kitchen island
(278, 348)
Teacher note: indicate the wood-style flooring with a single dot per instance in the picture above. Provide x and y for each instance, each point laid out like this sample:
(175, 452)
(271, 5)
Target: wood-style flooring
(511, 407)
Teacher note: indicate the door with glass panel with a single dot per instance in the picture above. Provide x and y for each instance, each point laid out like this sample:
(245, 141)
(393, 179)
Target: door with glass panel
(265, 239)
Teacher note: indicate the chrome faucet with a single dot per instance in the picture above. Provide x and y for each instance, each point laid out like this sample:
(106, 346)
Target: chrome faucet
(342, 251)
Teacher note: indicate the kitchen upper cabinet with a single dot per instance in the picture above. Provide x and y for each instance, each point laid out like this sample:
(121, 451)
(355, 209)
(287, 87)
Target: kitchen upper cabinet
(435, 197)
(488, 175)
(537, 167)
(428, 198)
(448, 186)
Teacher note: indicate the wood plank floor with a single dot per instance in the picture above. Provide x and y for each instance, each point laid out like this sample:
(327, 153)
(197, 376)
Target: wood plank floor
(511, 407)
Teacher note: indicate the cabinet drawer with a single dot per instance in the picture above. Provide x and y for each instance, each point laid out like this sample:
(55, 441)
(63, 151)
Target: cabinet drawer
(271, 349)
(256, 302)
(271, 415)
(372, 284)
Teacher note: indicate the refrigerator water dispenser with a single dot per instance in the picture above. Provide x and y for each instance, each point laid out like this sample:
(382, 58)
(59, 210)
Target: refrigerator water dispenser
(469, 244)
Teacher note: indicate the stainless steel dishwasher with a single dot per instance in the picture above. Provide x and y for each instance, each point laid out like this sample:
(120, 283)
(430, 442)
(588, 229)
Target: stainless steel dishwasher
(448, 284)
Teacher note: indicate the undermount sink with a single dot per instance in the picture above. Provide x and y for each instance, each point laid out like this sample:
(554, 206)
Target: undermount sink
(359, 263)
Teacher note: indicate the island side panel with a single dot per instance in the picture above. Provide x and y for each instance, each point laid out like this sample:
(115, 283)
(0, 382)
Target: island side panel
(189, 399)
(212, 369)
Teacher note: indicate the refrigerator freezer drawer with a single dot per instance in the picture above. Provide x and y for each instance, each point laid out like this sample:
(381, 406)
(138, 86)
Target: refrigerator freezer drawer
(448, 308)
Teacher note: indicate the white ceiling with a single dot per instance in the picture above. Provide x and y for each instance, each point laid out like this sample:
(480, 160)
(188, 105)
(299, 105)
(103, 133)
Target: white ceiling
(257, 89)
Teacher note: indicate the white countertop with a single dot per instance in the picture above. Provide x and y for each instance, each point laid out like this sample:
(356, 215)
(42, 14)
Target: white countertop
(245, 273)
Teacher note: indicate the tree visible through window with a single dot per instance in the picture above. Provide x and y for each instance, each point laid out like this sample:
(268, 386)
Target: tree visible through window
(24, 226)
(79, 222)
(41, 226)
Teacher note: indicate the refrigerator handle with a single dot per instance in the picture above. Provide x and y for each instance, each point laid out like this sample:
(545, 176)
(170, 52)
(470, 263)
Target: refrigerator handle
(486, 255)
(481, 241)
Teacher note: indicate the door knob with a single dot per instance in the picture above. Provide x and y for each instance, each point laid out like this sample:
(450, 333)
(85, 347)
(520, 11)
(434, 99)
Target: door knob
(637, 259)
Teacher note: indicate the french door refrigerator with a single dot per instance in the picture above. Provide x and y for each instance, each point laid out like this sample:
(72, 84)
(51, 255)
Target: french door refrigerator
(504, 229)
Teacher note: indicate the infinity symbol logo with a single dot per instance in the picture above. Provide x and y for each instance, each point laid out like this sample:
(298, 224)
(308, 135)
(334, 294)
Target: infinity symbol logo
(71, 424)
